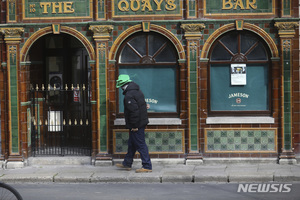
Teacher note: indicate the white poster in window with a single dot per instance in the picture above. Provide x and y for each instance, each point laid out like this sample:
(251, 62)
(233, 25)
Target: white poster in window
(238, 74)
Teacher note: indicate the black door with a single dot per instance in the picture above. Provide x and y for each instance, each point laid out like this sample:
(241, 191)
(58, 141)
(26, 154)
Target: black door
(62, 123)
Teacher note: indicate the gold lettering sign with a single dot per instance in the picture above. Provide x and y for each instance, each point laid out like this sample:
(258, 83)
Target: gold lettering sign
(145, 5)
(239, 4)
(57, 7)
(60, 9)
(238, 7)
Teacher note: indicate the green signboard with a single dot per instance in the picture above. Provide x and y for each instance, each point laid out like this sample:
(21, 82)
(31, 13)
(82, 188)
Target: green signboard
(137, 8)
(64, 9)
(249, 7)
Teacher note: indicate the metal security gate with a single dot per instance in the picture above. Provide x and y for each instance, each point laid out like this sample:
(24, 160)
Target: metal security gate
(60, 119)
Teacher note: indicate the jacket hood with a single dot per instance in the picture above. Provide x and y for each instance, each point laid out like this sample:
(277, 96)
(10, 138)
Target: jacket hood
(131, 86)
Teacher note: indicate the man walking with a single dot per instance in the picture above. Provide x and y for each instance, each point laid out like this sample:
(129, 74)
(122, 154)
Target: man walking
(136, 119)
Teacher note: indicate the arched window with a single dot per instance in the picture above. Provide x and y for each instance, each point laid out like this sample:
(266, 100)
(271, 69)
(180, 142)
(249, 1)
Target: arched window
(150, 60)
(239, 75)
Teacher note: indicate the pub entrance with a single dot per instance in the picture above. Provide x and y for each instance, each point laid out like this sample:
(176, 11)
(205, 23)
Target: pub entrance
(60, 95)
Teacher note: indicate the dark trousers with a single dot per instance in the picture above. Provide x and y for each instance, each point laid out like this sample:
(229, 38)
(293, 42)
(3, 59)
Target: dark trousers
(136, 142)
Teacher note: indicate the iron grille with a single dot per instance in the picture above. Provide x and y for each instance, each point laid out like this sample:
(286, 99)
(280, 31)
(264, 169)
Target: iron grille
(60, 120)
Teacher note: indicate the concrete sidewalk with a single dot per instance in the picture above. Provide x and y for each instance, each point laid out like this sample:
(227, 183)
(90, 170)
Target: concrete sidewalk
(162, 173)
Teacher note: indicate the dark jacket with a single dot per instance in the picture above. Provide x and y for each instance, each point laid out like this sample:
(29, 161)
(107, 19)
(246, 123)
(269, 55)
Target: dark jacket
(135, 108)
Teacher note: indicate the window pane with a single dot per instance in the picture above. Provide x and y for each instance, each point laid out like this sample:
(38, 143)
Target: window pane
(250, 97)
(231, 42)
(158, 85)
(220, 53)
(167, 55)
(139, 43)
(258, 53)
(247, 41)
(128, 56)
(154, 44)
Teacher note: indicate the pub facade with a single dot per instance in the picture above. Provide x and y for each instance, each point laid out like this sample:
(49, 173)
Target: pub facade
(221, 78)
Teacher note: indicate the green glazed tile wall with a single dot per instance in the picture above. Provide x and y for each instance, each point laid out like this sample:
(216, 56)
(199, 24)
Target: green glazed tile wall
(240, 140)
(193, 97)
(170, 141)
(102, 93)
(14, 100)
(287, 120)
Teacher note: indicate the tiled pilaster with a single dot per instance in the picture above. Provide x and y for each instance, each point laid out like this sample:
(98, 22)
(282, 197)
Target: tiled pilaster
(193, 36)
(101, 37)
(286, 33)
(12, 37)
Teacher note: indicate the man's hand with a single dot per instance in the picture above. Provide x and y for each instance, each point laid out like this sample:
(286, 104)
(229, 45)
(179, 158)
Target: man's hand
(134, 129)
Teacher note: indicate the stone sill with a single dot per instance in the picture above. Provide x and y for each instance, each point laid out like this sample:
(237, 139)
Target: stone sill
(153, 121)
(240, 120)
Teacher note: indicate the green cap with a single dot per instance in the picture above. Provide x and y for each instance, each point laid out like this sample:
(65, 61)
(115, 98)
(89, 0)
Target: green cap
(123, 79)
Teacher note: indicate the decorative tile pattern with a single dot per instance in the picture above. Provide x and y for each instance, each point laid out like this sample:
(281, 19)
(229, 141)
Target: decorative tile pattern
(158, 141)
(241, 140)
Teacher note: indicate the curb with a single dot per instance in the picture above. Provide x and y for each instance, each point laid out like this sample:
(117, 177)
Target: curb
(144, 178)
(161, 174)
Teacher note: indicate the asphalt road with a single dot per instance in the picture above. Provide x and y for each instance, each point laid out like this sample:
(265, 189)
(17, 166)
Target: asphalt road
(157, 191)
